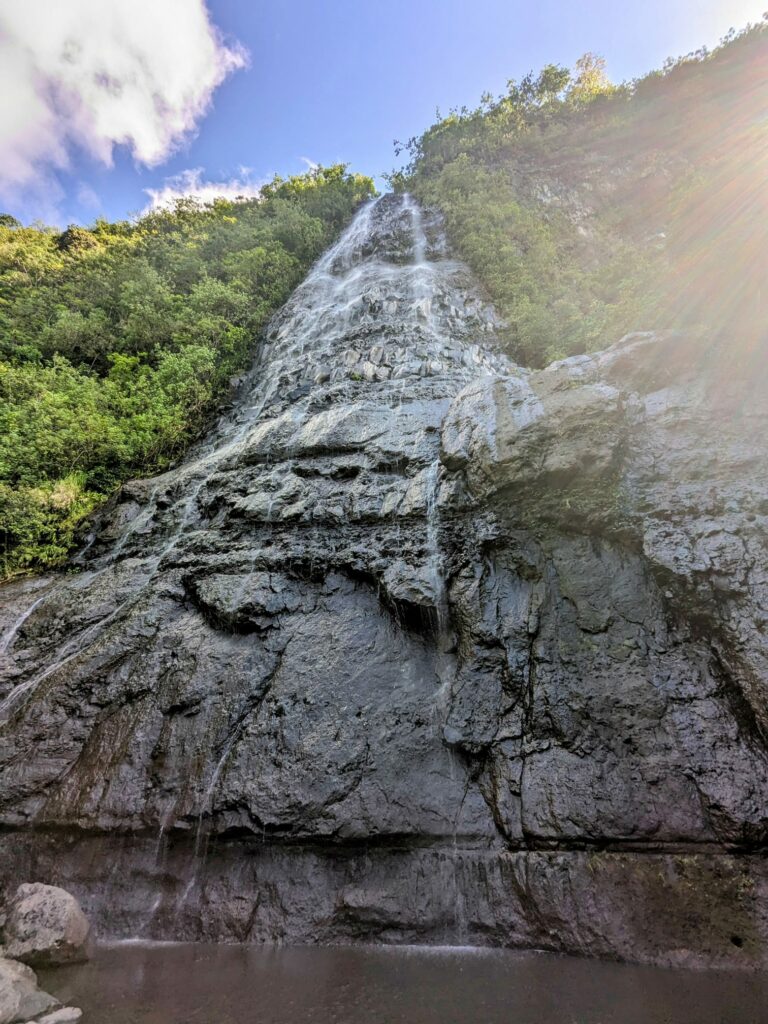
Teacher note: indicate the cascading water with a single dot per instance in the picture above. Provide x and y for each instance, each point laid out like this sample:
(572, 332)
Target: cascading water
(359, 669)
(316, 497)
(353, 293)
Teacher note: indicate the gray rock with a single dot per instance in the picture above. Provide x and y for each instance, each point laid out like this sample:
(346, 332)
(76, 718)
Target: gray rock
(34, 1003)
(473, 654)
(66, 1015)
(10, 996)
(45, 926)
(20, 998)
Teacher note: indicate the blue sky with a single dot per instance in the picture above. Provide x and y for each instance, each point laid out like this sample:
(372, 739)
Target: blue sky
(324, 80)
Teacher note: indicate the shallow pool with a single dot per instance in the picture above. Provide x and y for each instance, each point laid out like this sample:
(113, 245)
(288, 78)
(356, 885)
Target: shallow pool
(202, 984)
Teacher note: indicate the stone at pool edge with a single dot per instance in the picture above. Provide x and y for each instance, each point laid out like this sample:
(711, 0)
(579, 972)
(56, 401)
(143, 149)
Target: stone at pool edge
(20, 998)
(45, 926)
(66, 1015)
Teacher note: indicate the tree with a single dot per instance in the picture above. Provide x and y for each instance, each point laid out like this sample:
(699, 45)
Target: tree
(589, 81)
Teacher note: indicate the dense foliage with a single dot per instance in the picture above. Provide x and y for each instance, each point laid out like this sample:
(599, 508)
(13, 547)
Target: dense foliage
(116, 341)
(590, 210)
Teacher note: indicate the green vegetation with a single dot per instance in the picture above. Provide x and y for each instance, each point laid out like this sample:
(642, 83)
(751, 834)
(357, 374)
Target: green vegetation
(589, 210)
(116, 341)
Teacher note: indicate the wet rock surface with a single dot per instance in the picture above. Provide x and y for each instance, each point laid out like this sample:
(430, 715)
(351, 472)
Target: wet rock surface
(417, 646)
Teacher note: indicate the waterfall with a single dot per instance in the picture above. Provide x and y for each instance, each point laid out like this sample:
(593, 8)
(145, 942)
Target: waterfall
(352, 291)
(356, 669)
(329, 453)
(417, 227)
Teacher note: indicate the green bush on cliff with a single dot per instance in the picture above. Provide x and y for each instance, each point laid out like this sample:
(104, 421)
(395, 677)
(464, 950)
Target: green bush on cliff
(116, 341)
(589, 210)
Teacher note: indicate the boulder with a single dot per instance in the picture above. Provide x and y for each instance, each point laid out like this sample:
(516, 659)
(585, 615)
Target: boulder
(20, 998)
(45, 926)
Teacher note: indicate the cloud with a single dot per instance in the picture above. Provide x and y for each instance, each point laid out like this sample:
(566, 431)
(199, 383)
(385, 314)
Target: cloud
(87, 196)
(311, 164)
(99, 74)
(191, 184)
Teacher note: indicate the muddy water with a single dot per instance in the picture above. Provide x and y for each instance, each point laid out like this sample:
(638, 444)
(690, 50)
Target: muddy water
(198, 984)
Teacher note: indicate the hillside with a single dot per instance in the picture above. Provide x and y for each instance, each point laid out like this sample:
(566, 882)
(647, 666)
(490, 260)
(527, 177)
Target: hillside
(116, 342)
(589, 210)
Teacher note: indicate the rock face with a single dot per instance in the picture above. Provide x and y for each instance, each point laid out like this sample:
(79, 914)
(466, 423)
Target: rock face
(45, 926)
(418, 646)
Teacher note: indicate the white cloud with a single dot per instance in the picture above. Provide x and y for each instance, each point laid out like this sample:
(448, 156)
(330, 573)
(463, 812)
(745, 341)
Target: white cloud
(100, 74)
(191, 184)
(88, 196)
(311, 165)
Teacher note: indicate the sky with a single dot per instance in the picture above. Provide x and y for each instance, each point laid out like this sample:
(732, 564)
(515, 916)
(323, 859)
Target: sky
(108, 107)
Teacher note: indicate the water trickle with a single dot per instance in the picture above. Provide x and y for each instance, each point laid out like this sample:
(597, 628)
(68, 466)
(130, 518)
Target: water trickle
(460, 936)
(10, 635)
(206, 804)
(146, 921)
(181, 903)
(357, 287)
(417, 228)
(434, 557)
(80, 641)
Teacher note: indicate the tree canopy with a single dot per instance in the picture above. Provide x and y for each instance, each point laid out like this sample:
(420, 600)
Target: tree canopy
(589, 209)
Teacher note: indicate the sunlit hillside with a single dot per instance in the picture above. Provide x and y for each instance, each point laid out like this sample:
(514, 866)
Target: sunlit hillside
(590, 210)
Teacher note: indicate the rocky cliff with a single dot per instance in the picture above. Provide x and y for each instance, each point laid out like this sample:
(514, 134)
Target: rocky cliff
(418, 646)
